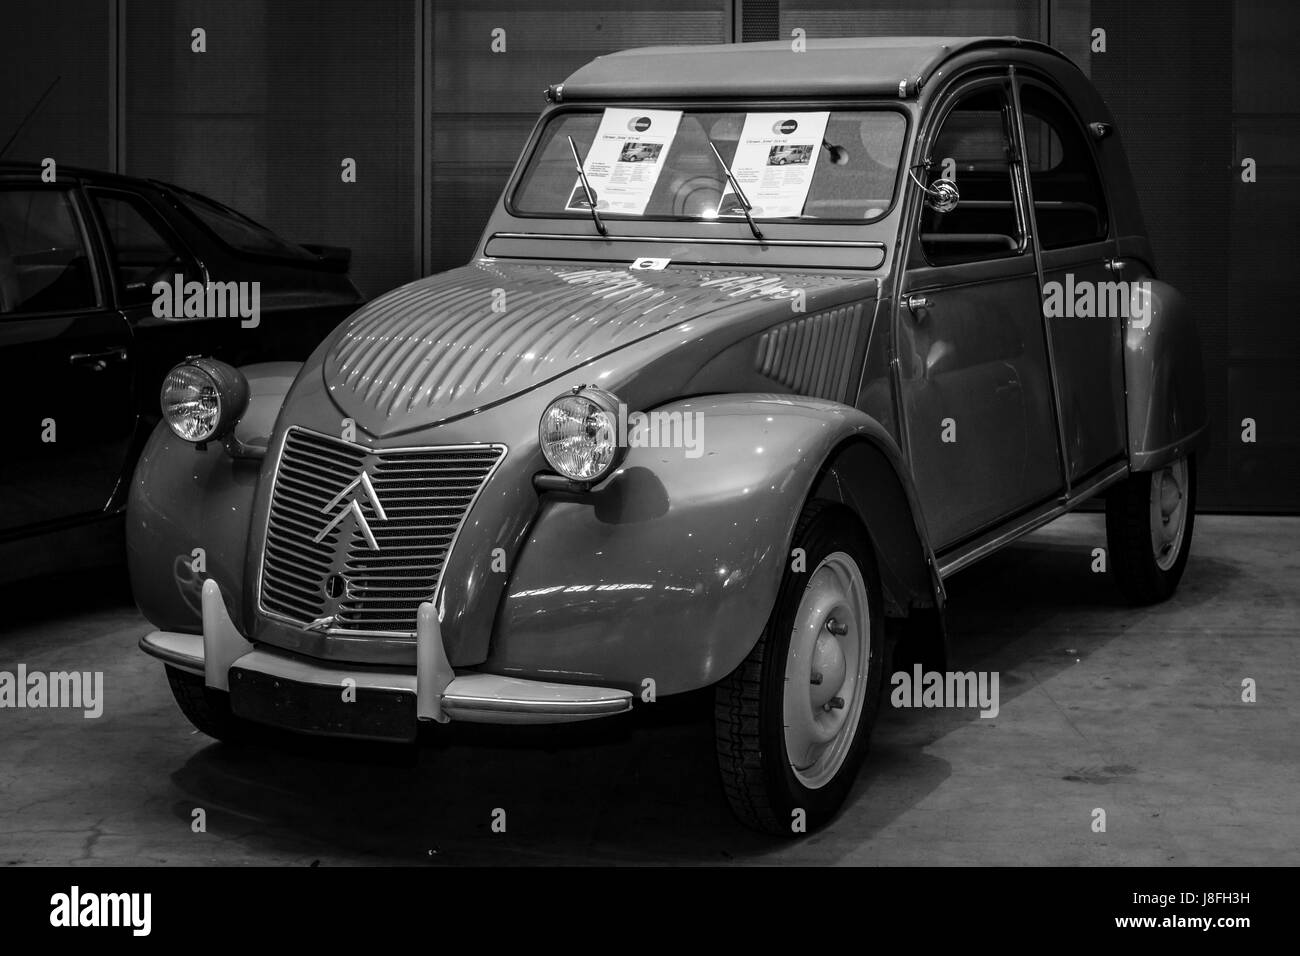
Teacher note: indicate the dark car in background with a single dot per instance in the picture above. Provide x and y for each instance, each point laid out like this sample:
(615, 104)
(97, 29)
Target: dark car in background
(85, 342)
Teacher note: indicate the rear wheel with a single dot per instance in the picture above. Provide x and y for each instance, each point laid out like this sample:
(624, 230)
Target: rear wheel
(207, 709)
(793, 720)
(1149, 521)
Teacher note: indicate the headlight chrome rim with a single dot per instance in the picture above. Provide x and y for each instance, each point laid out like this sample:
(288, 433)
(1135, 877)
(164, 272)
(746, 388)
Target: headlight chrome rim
(579, 434)
(202, 399)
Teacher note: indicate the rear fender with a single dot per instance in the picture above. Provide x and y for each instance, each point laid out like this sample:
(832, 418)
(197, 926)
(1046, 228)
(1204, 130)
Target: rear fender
(1164, 380)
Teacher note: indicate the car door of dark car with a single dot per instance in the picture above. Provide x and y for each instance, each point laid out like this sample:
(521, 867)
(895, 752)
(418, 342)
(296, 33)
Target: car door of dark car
(973, 370)
(142, 251)
(1084, 297)
(66, 387)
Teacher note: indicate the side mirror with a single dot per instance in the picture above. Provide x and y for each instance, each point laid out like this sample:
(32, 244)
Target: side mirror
(942, 195)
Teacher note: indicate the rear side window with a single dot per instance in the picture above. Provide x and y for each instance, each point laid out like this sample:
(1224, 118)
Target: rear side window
(44, 266)
(238, 231)
(1069, 202)
(142, 247)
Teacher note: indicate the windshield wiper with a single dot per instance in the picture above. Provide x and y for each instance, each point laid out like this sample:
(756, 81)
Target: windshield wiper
(586, 187)
(745, 207)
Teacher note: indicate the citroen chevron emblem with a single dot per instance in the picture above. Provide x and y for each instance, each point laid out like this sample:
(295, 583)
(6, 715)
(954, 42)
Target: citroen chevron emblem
(358, 487)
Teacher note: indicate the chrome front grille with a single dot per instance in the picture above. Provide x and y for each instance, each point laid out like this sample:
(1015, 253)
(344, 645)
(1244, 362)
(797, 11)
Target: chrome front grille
(330, 578)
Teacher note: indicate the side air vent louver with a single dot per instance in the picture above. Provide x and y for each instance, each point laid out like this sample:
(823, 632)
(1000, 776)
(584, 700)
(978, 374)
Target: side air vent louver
(812, 355)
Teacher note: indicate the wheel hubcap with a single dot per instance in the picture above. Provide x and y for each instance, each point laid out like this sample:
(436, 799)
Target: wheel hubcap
(1168, 513)
(826, 670)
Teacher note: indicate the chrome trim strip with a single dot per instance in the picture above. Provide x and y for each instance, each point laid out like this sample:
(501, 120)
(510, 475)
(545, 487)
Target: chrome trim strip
(984, 546)
(715, 240)
(471, 697)
(184, 651)
(462, 707)
(479, 693)
(368, 450)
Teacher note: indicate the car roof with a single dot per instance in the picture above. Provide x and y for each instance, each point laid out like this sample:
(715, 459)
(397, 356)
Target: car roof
(17, 169)
(863, 66)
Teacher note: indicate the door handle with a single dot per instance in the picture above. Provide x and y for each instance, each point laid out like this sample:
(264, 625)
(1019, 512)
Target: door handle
(97, 361)
(1114, 265)
(915, 302)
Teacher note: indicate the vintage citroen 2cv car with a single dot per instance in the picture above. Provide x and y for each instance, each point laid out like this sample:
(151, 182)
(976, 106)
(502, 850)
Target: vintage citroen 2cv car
(712, 420)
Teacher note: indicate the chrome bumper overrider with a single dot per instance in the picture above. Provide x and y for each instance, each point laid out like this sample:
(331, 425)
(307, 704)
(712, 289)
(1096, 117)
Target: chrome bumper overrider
(440, 693)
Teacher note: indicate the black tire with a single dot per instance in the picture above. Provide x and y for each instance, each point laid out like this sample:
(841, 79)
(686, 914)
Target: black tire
(1133, 561)
(757, 776)
(207, 709)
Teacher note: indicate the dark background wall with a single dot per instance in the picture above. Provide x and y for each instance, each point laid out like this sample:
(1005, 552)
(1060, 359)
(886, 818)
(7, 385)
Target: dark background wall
(413, 91)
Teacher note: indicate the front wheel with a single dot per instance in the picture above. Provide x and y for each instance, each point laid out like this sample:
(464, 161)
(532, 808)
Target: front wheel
(1149, 522)
(793, 720)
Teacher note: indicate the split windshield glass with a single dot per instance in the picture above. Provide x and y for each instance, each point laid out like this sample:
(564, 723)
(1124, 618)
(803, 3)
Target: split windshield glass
(797, 165)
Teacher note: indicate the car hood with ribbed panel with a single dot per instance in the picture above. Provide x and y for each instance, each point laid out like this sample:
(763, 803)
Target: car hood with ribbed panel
(464, 340)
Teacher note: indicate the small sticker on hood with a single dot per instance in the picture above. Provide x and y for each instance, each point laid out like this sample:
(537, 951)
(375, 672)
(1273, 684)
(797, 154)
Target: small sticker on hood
(646, 262)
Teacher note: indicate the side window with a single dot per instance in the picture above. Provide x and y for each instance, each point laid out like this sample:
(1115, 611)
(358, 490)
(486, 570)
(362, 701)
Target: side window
(1069, 202)
(973, 148)
(141, 248)
(43, 262)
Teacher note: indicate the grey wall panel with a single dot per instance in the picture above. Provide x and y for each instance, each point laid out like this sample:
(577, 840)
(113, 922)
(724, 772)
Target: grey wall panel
(264, 118)
(484, 103)
(1264, 237)
(39, 41)
(1167, 76)
(829, 18)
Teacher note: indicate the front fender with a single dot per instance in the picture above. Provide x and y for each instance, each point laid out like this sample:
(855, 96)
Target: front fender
(1164, 380)
(183, 499)
(670, 569)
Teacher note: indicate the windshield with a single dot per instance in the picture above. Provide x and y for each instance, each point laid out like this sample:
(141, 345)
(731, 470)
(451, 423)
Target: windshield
(796, 165)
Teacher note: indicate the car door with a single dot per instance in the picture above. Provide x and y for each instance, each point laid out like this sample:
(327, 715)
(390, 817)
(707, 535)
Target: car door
(974, 381)
(143, 250)
(66, 385)
(1084, 296)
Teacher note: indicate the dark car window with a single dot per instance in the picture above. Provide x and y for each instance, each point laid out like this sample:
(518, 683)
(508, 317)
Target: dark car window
(142, 248)
(973, 148)
(43, 262)
(1069, 203)
(237, 230)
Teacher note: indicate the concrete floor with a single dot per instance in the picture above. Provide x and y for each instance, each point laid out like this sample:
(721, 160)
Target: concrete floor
(1137, 712)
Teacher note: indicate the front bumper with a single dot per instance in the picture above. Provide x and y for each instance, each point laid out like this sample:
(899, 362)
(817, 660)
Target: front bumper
(435, 690)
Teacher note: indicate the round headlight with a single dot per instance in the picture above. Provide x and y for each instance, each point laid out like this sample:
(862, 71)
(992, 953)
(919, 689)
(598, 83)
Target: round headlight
(579, 434)
(202, 399)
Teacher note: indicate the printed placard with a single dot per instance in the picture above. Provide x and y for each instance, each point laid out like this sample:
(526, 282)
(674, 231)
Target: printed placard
(774, 163)
(624, 160)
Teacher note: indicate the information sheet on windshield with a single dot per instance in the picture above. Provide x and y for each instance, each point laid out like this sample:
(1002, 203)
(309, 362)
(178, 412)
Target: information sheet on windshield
(774, 163)
(624, 160)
